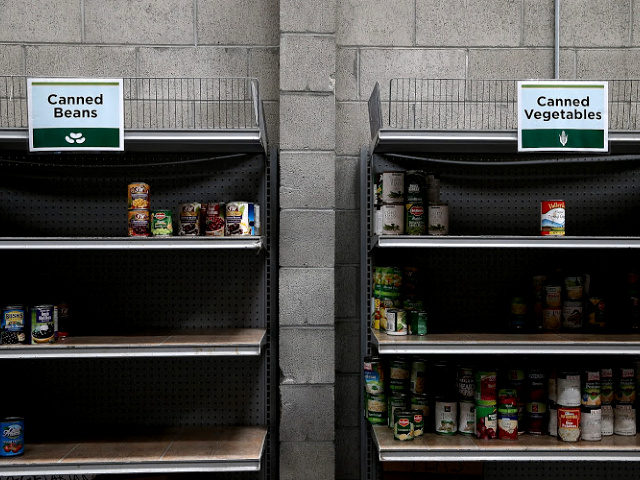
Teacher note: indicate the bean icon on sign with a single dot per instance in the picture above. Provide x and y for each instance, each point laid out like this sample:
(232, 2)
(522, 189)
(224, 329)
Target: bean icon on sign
(75, 138)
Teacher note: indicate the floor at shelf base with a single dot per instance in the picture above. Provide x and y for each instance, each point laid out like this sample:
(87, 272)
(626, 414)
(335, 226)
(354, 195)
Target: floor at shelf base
(213, 449)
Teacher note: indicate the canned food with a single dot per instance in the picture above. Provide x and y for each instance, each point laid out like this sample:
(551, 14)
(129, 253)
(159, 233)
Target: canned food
(242, 218)
(418, 376)
(507, 398)
(446, 418)
(374, 375)
(415, 219)
(573, 287)
(569, 394)
(418, 422)
(64, 320)
(418, 322)
(486, 388)
(213, 215)
(486, 421)
(552, 217)
(403, 427)
(376, 409)
(591, 388)
(626, 385)
(467, 422)
(189, 219)
(12, 436)
(518, 317)
(536, 423)
(416, 184)
(569, 423)
(138, 196)
(552, 296)
(397, 322)
(466, 384)
(607, 393)
(161, 223)
(392, 187)
(553, 421)
(377, 221)
(508, 423)
(597, 313)
(607, 420)
(551, 319)
(13, 324)
(624, 420)
(399, 376)
(397, 401)
(138, 223)
(571, 315)
(392, 219)
(591, 424)
(41, 326)
(438, 219)
(387, 276)
(383, 301)
(423, 403)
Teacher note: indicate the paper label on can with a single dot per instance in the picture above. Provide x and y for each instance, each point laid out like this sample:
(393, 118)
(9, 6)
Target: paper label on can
(392, 219)
(552, 218)
(446, 415)
(438, 220)
(392, 187)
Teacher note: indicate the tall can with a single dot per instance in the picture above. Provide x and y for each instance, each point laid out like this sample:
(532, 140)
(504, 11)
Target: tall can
(41, 325)
(466, 384)
(12, 429)
(374, 375)
(399, 373)
(552, 217)
(418, 377)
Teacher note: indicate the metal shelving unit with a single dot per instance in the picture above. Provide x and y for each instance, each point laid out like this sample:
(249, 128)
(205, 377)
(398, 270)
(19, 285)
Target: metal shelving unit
(465, 132)
(149, 312)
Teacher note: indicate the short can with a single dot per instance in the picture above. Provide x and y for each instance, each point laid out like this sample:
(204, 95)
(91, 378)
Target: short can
(591, 424)
(376, 409)
(607, 420)
(41, 325)
(418, 322)
(415, 223)
(418, 380)
(138, 196)
(392, 219)
(12, 436)
(397, 401)
(624, 420)
(438, 219)
(242, 219)
(591, 389)
(552, 295)
(569, 423)
(383, 301)
(392, 187)
(574, 287)
(508, 423)
(486, 393)
(551, 319)
(189, 219)
(374, 375)
(418, 422)
(397, 322)
(161, 223)
(572, 314)
(507, 398)
(486, 421)
(446, 417)
(467, 418)
(552, 217)
(138, 223)
(14, 318)
(537, 423)
(403, 427)
(596, 314)
(214, 219)
(399, 374)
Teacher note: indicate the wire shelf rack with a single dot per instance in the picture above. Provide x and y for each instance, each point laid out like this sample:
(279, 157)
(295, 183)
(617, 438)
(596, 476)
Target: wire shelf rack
(459, 104)
(160, 103)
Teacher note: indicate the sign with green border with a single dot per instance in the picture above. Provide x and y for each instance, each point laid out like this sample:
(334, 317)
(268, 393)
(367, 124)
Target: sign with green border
(75, 114)
(563, 116)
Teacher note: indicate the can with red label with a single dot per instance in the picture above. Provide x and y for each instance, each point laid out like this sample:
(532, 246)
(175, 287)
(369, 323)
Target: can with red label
(486, 393)
(214, 219)
(415, 219)
(569, 423)
(552, 217)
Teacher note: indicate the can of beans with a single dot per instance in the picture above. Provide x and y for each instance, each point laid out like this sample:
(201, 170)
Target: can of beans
(138, 196)
(446, 417)
(403, 427)
(418, 422)
(569, 423)
(466, 384)
(138, 223)
(242, 218)
(486, 393)
(161, 223)
(507, 398)
(486, 421)
(399, 372)
(552, 217)
(591, 424)
(373, 375)
(214, 219)
(376, 409)
(507, 423)
(189, 219)
(41, 324)
(467, 418)
(397, 322)
(13, 324)
(12, 429)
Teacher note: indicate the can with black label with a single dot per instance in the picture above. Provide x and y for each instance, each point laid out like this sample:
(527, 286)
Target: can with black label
(13, 324)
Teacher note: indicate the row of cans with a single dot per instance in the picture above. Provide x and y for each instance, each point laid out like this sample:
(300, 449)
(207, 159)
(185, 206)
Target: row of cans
(39, 324)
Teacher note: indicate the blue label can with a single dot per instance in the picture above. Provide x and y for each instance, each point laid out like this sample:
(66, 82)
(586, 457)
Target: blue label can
(12, 429)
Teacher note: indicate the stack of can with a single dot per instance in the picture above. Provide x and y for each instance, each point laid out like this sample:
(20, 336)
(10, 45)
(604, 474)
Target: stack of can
(138, 209)
(390, 204)
(387, 282)
(407, 383)
(625, 398)
(466, 400)
(486, 404)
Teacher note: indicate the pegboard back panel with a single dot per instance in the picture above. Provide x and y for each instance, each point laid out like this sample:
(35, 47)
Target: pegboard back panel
(104, 396)
(119, 292)
(602, 199)
(86, 195)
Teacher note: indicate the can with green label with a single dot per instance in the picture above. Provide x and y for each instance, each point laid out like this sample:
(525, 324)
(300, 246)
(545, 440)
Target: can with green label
(418, 422)
(399, 375)
(161, 223)
(376, 409)
(403, 427)
(417, 322)
(397, 322)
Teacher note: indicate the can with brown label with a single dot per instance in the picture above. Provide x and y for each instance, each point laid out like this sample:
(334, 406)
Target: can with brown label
(138, 223)
(138, 196)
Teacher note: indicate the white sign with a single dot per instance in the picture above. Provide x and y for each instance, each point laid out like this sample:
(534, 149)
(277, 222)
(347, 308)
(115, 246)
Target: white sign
(563, 116)
(75, 114)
